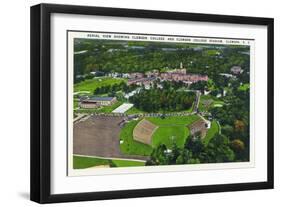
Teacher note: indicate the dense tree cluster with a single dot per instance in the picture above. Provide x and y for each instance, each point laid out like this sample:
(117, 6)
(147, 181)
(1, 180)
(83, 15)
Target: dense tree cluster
(234, 120)
(194, 151)
(137, 56)
(200, 85)
(110, 88)
(156, 99)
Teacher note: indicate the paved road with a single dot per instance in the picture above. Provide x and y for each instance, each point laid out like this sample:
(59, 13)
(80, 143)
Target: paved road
(197, 100)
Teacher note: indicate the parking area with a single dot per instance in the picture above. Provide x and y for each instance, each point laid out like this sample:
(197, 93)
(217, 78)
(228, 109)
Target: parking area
(99, 136)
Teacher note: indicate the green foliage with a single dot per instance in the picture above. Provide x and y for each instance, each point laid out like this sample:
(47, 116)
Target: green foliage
(195, 146)
(234, 119)
(195, 151)
(86, 162)
(110, 88)
(127, 163)
(155, 100)
(218, 150)
(138, 56)
(200, 85)
(244, 87)
(227, 130)
(158, 156)
(184, 156)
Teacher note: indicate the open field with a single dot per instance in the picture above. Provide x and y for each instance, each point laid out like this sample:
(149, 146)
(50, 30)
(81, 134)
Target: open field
(174, 120)
(207, 102)
(80, 162)
(91, 84)
(86, 162)
(134, 110)
(171, 129)
(127, 163)
(168, 135)
(211, 52)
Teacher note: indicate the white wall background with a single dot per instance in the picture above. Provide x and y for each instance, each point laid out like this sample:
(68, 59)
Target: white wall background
(14, 104)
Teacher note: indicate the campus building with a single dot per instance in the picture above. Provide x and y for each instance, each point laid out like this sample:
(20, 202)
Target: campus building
(141, 81)
(153, 73)
(188, 78)
(181, 75)
(178, 75)
(95, 102)
(136, 75)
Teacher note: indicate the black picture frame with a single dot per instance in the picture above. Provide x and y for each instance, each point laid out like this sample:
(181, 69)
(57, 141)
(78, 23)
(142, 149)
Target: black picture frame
(41, 96)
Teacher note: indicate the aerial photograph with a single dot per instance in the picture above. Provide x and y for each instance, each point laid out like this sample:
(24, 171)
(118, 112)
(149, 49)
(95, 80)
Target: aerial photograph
(150, 103)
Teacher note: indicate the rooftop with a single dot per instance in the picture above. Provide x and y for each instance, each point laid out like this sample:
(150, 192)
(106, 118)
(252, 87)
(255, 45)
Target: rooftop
(99, 98)
(123, 108)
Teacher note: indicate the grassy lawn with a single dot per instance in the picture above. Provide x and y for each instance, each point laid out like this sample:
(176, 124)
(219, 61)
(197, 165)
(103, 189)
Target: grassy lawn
(86, 162)
(129, 145)
(171, 129)
(210, 52)
(91, 84)
(127, 163)
(244, 87)
(168, 135)
(173, 120)
(134, 110)
(211, 132)
(214, 102)
(218, 104)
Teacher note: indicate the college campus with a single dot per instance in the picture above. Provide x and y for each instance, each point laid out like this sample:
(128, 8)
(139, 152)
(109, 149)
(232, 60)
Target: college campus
(155, 103)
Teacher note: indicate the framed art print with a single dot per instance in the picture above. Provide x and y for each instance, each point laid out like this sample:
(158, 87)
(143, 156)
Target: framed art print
(132, 103)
